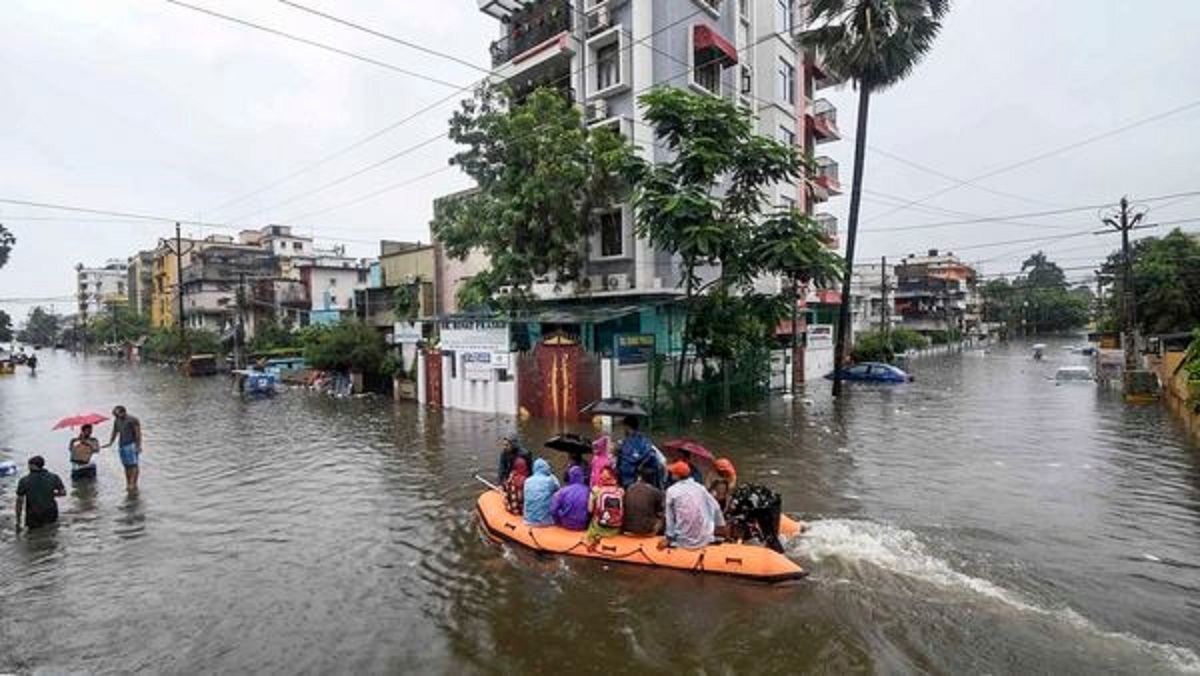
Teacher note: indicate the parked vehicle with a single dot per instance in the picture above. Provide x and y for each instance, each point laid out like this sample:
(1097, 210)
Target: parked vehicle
(200, 365)
(873, 372)
(1073, 374)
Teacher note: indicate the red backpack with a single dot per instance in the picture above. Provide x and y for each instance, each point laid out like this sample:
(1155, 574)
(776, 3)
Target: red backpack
(610, 507)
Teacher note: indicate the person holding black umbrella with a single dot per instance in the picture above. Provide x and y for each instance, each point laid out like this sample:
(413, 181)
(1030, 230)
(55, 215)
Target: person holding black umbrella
(510, 450)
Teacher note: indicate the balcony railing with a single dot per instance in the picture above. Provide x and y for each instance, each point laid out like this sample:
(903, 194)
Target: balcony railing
(828, 224)
(825, 178)
(823, 119)
(531, 27)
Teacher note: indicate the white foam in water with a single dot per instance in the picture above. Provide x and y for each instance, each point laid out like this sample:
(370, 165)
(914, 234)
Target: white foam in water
(901, 552)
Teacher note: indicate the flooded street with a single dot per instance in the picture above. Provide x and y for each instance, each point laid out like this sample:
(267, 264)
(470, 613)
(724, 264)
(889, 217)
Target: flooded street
(978, 520)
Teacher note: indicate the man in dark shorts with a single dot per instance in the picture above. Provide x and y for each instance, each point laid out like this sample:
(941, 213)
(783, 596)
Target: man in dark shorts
(129, 430)
(37, 494)
(644, 503)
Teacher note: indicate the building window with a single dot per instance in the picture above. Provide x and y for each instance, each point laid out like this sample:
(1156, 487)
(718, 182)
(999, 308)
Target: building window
(787, 81)
(362, 276)
(784, 15)
(787, 203)
(333, 281)
(744, 9)
(608, 66)
(747, 80)
(296, 246)
(708, 76)
(612, 235)
(787, 135)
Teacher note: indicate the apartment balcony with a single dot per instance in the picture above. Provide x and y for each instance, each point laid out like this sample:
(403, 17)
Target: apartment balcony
(828, 224)
(821, 77)
(824, 181)
(533, 30)
(822, 119)
(500, 9)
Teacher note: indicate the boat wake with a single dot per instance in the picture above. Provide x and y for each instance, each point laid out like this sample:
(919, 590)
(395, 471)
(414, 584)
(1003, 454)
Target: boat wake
(856, 545)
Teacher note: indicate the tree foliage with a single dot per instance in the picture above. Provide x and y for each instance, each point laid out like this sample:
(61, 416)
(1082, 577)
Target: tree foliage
(884, 346)
(709, 206)
(41, 327)
(543, 179)
(1166, 284)
(1037, 301)
(7, 241)
(270, 335)
(6, 332)
(118, 324)
(347, 346)
(167, 343)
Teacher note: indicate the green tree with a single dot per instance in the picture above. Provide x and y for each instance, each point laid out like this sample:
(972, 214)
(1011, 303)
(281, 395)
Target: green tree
(7, 241)
(41, 328)
(875, 44)
(348, 346)
(1040, 272)
(543, 178)
(167, 343)
(6, 332)
(118, 324)
(1166, 284)
(997, 295)
(704, 205)
(790, 244)
(269, 335)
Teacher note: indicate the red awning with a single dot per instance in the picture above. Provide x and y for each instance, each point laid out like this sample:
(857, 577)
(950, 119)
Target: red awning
(829, 297)
(710, 42)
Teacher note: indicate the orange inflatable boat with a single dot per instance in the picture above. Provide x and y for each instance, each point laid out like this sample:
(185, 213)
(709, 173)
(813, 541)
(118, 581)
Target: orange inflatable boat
(740, 560)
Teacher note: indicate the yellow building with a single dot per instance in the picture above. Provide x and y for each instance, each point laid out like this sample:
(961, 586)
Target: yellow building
(163, 290)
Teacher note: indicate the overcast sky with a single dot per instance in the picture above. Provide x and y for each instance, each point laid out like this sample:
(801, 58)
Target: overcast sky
(144, 106)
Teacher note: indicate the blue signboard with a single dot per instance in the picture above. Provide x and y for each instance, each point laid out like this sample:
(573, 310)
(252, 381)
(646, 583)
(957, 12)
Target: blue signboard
(634, 348)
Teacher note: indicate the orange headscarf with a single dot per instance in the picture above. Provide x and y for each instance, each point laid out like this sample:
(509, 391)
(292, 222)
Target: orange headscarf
(725, 468)
(680, 469)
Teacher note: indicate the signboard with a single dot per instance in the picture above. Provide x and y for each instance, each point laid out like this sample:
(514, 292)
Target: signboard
(406, 333)
(481, 345)
(634, 348)
(820, 336)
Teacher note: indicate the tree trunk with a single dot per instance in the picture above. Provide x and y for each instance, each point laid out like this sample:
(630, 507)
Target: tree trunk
(795, 335)
(687, 310)
(843, 326)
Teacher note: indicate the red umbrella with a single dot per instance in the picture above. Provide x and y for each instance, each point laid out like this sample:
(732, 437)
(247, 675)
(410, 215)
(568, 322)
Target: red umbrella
(80, 420)
(688, 447)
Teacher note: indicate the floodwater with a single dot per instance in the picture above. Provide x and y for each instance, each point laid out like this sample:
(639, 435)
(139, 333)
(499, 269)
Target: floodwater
(978, 520)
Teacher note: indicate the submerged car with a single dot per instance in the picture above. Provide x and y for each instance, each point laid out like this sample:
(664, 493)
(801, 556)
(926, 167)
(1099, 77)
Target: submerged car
(873, 372)
(1073, 374)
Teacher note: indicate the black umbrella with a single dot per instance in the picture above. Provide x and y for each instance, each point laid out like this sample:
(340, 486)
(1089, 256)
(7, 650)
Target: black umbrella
(570, 443)
(615, 406)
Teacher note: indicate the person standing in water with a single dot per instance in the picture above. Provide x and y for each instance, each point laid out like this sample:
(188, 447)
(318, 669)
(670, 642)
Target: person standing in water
(37, 495)
(129, 430)
(82, 448)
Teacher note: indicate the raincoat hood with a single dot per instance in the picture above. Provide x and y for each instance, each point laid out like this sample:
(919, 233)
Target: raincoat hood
(575, 475)
(541, 467)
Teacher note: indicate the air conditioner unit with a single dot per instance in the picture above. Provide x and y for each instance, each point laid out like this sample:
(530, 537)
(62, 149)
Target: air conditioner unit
(598, 20)
(616, 282)
(597, 110)
(592, 283)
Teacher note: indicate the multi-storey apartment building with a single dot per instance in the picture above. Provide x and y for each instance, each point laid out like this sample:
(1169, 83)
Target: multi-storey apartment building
(605, 53)
(98, 288)
(937, 292)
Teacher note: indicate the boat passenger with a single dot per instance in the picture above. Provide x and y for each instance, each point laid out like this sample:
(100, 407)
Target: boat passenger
(510, 450)
(644, 504)
(82, 448)
(635, 449)
(575, 459)
(570, 504)
(514, 488)
(754, 514)
(539, 493)
(600, 459)
(696, 474)
(692, 514)
(607, 507)
(723, 483)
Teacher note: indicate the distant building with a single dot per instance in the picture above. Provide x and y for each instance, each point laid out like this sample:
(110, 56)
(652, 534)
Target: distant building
(140, 283)
(937, 292)
(872, 297)
(98, 288)
(332, 282)
(401, 264)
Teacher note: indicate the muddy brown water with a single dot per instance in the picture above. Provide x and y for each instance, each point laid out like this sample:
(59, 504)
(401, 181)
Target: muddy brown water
(978, 520)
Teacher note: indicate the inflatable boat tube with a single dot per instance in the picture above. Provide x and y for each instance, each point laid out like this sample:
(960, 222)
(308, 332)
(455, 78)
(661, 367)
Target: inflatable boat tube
(739, 560)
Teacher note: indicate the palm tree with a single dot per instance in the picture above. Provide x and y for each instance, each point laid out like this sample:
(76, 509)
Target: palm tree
(875, 44)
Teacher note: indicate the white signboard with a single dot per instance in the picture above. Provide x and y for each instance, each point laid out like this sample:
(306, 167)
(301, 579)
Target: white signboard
(820, 335)
(406, 333)
(474, 336)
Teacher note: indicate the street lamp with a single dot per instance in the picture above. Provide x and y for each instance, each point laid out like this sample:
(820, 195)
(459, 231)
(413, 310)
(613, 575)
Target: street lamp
(1025, 318)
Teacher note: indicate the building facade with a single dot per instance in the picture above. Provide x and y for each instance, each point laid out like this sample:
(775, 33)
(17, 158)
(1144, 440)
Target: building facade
(937, 292)
(140, 283)
(872, 298)
(100, 287)
(604, 53)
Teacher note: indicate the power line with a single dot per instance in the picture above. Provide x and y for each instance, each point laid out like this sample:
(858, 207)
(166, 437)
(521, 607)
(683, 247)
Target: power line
(386, 36)
(372, 194)
(314, 43)
(1041, 156)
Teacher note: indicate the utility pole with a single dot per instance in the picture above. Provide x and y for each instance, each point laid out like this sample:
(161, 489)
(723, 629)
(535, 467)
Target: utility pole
(1123, 221)
(884, 318)
(179, 281)
(239, 330)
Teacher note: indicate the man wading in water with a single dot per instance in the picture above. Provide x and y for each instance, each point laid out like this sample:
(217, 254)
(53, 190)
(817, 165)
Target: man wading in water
(129, 429)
